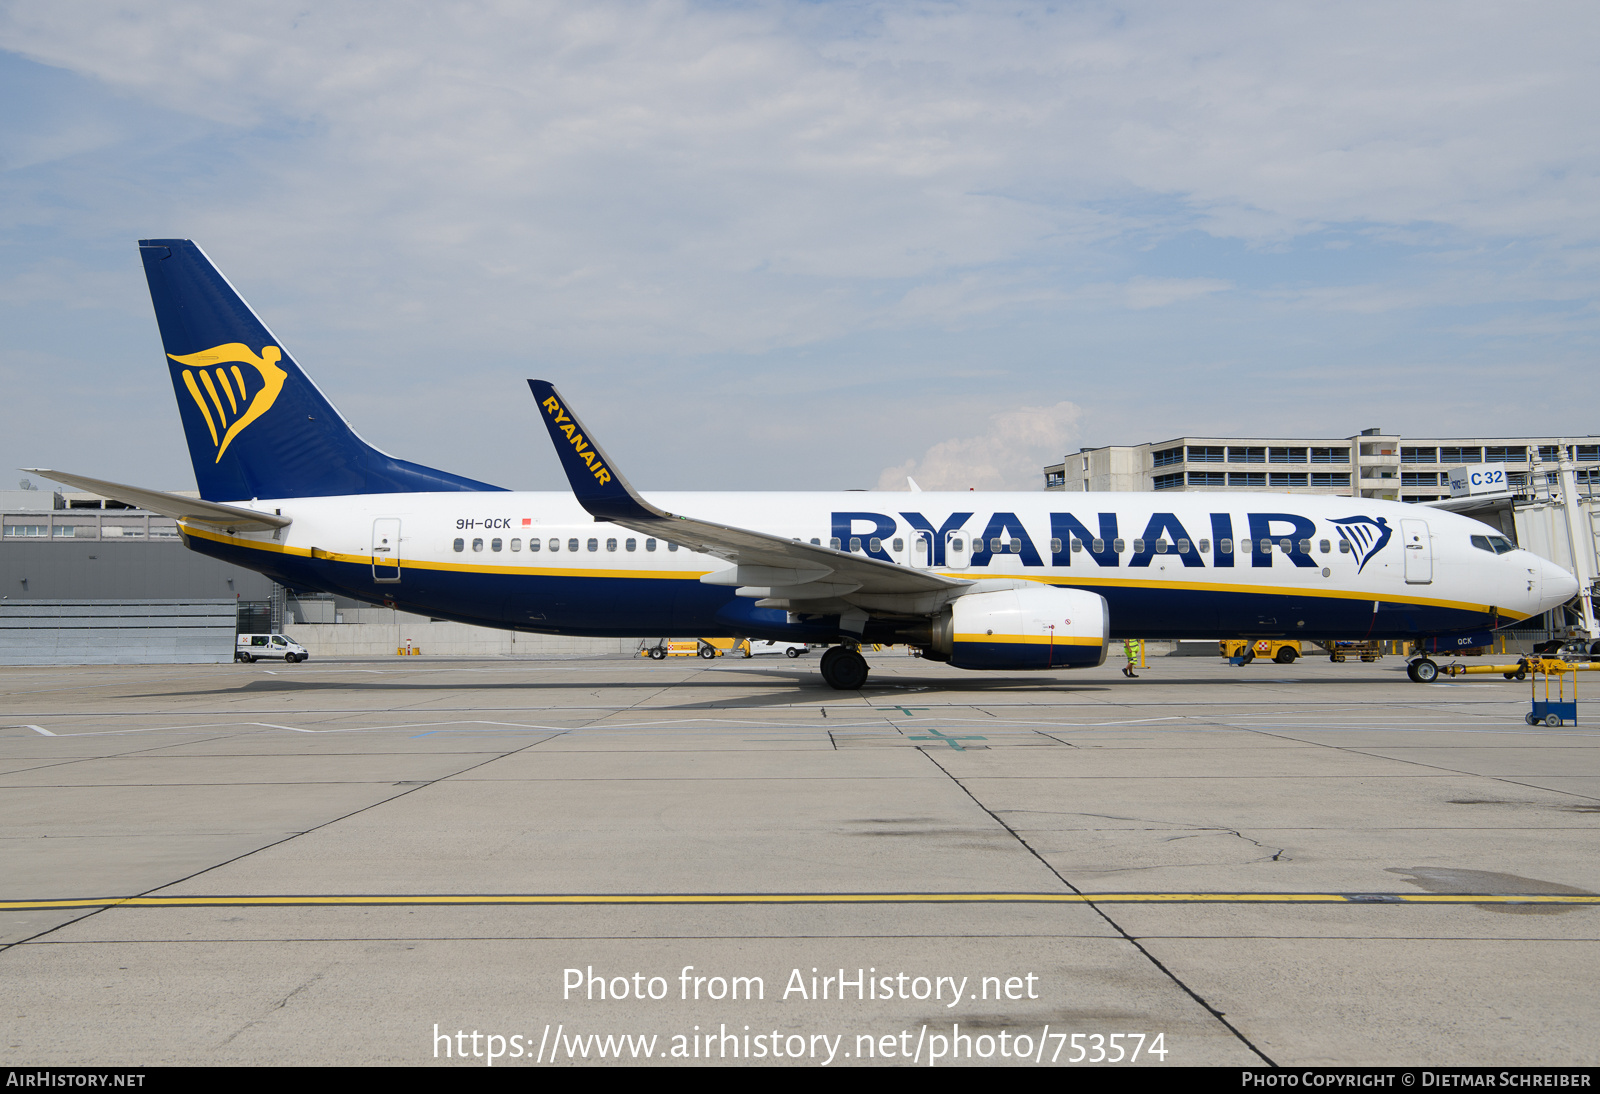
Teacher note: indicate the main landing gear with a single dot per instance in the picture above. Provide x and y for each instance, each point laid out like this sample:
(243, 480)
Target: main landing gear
(844, 668)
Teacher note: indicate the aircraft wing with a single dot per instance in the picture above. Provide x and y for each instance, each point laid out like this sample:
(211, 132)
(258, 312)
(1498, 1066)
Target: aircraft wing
(188, 510)
(765, 565)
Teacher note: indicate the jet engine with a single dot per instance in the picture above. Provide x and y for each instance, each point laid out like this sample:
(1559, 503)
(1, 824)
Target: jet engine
(1040, 627)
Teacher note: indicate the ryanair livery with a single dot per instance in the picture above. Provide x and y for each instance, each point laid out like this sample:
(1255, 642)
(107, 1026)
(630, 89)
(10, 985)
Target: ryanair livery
(983, 581)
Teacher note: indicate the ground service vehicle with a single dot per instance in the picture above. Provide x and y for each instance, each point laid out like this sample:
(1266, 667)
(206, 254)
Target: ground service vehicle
(253, 647)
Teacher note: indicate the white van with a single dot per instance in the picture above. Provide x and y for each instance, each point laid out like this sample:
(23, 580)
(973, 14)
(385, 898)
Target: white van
(252, 646)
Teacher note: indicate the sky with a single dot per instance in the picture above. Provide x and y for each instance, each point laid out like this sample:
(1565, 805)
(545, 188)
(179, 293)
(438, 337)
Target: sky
(809, 245)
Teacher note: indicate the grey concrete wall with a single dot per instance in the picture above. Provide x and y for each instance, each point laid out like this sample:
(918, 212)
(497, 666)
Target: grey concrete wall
(381, 639)
(116, 632)
(119, 569)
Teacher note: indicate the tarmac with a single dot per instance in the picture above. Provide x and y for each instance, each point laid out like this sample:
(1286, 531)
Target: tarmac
(602, 860)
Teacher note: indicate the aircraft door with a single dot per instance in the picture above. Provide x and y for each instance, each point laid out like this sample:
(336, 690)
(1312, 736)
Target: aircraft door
(1419, 551)
(955, 550)
(386, 549)
(922, 550)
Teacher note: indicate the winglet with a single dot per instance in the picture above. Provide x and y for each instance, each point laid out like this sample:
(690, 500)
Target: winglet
(596, 482)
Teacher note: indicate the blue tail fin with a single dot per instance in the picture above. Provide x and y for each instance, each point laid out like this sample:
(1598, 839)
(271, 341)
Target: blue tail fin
(257, 426)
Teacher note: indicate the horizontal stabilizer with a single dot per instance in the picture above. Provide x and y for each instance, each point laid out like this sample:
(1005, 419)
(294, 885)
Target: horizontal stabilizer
(188, 510)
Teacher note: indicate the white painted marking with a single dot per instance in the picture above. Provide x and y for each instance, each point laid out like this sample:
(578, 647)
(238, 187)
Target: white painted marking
(40, 730)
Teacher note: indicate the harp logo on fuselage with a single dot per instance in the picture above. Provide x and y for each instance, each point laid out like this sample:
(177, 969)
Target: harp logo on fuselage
(231, 398)
(1365, 535)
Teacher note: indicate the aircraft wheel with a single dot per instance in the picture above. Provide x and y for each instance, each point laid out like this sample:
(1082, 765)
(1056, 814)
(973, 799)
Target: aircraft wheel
(1530, 719)
(844, 669)
(1411, 670)
(1552, 719)
(708, 652)
(1426, 671)
(1285, 656)
(791, 652)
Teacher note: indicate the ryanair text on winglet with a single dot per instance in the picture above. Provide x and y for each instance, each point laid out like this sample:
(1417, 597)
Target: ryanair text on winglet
(581, 448)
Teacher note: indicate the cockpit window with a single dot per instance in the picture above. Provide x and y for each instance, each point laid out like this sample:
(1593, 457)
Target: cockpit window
(1496, 545)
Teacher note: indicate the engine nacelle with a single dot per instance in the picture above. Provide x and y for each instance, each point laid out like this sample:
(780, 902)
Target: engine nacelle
(1041, 627)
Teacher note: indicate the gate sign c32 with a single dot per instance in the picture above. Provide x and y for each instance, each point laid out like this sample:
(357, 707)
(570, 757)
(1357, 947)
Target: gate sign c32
(1476, 480)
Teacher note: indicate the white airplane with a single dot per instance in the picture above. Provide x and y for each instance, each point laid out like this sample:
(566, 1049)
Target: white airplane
(1003, 581)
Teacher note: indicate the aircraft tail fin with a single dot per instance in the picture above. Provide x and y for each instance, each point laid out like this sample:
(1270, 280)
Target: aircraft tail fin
(257, 426)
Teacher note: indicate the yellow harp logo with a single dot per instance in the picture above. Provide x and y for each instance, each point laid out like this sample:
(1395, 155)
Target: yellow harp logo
(236, 399)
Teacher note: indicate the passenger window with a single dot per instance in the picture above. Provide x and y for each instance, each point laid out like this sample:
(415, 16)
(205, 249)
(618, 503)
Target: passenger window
(572, 545)
(533, 545)
(1305, 546)
(1138, 546)
(899, 545)
(555, 545)
(1099, 546)
(1344, 546)
(495, 544)
(994, 546)
(874, 545)
(1161, 546)
(516, 545)
(1285, 545)
(1118, 546)
(1183, 546)
(611, 545)
(834, 543)
(649, 545)
(958, 545)
(1205, 545)
(460, 545)
(594, 545)
(632, 545)
(1266, 546)
(1324, 546)
(855, 543)
(671, 546)
(816, 542)
(477, 545)
(1225, 546)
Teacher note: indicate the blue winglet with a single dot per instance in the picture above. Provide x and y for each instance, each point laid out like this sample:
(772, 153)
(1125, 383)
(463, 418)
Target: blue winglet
(596, 482)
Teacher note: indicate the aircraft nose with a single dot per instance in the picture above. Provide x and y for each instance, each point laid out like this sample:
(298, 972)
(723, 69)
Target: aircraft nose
(1558, 585)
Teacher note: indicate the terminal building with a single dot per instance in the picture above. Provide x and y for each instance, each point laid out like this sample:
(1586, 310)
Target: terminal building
(1371, 464)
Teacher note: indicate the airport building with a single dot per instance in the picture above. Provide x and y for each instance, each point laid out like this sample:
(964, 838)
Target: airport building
(1371, 464)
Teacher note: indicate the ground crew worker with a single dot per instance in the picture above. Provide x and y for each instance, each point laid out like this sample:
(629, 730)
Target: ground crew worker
(1130, 648)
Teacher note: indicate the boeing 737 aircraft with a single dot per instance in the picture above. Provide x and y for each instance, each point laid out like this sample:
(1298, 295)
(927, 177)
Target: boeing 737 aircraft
(983, 581)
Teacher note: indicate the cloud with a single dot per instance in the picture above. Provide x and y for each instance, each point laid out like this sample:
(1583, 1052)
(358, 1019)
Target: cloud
(659, 199)
(1008, 456)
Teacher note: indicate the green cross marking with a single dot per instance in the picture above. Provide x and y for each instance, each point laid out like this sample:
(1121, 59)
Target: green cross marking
(907, 710)
(948, 739)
